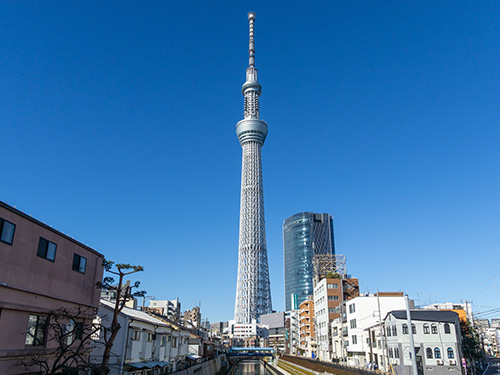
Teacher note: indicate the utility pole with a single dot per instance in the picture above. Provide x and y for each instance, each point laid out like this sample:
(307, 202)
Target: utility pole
(412, 343)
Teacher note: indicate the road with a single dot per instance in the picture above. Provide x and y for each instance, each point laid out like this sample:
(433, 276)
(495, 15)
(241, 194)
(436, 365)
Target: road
(494, 368)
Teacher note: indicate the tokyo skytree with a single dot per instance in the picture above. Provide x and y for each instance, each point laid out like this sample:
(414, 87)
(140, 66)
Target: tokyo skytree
(253, 293)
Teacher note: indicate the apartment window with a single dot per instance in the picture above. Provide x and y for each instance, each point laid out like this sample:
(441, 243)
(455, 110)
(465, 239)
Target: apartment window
(451, 355)
(163, 341)
(352, 308)
(331, 310)
(394, 331)
(437, 353)
(354, 339)
(37, 329)
(388, 331)
(426, 328)
(447, 328)
(137, 335)
(150, 336)
(434, 329)
(405, 329)
(47, 249)
(7, 230)
(174, 342)
(332, 286)
(413, 329)
(333, 298)
(391, 355)
(396, 352)
(428, 352)
(79, 263)
(353, 323)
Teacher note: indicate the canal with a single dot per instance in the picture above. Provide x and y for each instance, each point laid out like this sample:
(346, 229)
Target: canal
(251, 366)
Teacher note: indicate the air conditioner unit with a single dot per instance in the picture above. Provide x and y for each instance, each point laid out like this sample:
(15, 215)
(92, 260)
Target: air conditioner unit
(453, 362)
(439, 361)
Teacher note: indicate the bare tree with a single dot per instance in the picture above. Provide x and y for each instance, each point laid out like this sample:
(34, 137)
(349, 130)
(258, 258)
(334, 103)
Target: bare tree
(69, 338)
(124, 293)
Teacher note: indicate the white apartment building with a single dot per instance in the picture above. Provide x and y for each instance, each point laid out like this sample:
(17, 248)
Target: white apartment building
(351, 339)
(143, 342)
(437, 342)
(171, 309)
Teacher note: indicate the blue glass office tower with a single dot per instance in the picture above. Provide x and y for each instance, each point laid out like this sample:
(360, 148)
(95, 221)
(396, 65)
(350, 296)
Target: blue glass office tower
(304, 235)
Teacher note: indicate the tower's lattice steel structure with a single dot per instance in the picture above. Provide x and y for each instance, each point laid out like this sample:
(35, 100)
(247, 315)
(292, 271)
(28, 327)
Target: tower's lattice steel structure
(253, 293)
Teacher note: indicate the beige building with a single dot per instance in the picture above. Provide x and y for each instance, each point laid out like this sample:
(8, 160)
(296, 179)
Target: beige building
(306, 319)
(41, 271)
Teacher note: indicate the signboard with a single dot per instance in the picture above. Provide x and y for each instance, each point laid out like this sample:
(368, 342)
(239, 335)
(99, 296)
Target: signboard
(295, 301)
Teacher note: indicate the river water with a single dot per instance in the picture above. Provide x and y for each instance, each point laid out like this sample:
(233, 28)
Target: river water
(251, 367)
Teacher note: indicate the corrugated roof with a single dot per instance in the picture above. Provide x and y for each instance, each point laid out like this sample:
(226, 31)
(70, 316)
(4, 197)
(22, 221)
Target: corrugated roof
(135, 314)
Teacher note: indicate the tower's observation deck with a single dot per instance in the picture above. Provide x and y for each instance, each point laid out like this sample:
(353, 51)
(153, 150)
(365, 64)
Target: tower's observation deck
(253, 294)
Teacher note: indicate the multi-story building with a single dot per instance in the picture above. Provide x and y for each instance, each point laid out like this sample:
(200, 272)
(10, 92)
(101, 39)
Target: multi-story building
(248, 335)
(143, 342)
(193, 316)
(306, 318)
(328, 294)
(275, 323)
(42, 273)
(352, 333)
(436, 337)
(293, 327)
(171, 309)
(305, 235)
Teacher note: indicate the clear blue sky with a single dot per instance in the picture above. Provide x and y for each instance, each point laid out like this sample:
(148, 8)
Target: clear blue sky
(118, 122)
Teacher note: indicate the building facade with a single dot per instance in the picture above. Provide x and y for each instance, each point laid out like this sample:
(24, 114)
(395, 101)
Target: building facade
(253, 292)
(307, 342)
(43, 273)
(352, 336)
(436, 337)
(144, 343)
(275, 323)
(305, 235)
(328, 295)
(169, 308)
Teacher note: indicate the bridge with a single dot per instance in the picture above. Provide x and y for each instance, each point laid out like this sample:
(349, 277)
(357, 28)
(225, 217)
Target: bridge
(251, 352)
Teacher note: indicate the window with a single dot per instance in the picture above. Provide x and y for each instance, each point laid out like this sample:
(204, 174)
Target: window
(332, 286)
(394, 331)
(7, 230)
(150, 336)
(426, 328)
(354, 339)
(79, 263)
(174, 342)
(47, 249)
(163, 341)
(331, 310)
(391, 355)
(353, 323)
(352, 308)
(437, 353)
(137, 335)
(37, 328)
(447, 328)
(413, 329)
(434, 329)
(451, 355)
(388, 331)
(428, 352)
(405, 329)
(396, 352)
(333, 298)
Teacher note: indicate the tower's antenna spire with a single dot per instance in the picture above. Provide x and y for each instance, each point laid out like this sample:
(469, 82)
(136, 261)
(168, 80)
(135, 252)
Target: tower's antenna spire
(251, 44)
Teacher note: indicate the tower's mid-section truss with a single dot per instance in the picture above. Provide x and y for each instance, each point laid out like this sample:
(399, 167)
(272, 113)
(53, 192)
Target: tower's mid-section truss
(253, 292)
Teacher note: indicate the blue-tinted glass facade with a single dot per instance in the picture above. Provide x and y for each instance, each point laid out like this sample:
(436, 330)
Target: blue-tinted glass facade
(304, 235)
